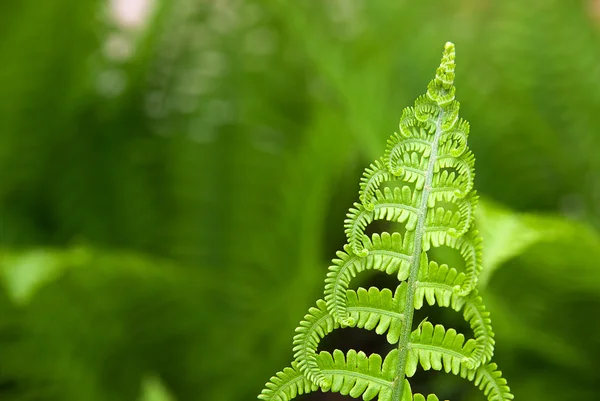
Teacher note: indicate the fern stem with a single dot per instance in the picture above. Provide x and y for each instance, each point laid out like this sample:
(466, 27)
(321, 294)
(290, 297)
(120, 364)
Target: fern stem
(403, 344)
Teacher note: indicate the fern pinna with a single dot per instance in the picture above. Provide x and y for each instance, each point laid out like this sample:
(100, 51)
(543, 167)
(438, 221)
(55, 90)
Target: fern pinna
(435, 203)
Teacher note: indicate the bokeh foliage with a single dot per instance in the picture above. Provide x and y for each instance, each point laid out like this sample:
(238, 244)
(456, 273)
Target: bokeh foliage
(171, 190)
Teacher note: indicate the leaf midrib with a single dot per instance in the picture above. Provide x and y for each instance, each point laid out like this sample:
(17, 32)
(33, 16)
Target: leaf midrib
(414, 268)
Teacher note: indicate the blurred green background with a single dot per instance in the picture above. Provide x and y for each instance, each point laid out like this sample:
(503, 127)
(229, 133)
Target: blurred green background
(174, 176)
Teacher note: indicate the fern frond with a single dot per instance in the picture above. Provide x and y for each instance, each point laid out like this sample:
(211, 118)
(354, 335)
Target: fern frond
(378, 310)
(399, 146)
(357, 374)
(371, 309)
(287, 385)
(317, 324)
(449, 182)
(411, 127)
(394, 205)
(454, 142)
(469, 247)
(454, 223)
(437, 284)
(372, 178)
(440, 220)
(437, 348)
(489, 379)
(353, 373)
(440, 349)
(464, 164)
(389, 253)
(436, 204)
(408, 166)
(391, 205)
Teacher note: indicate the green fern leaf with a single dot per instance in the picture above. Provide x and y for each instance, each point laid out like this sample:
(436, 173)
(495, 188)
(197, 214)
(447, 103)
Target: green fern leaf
(357, 374)
(372, 310)
(286, 385)
(469, 246)
(378, 310)
(373, 177)
(435, 348)
(389, 253)
(436, 203)
(316, 325)
(439, 349)
(436, 285)
(354, 374)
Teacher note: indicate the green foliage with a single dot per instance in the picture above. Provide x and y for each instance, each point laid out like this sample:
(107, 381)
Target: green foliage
(204, 171)
(436, 203)
(558, 275)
